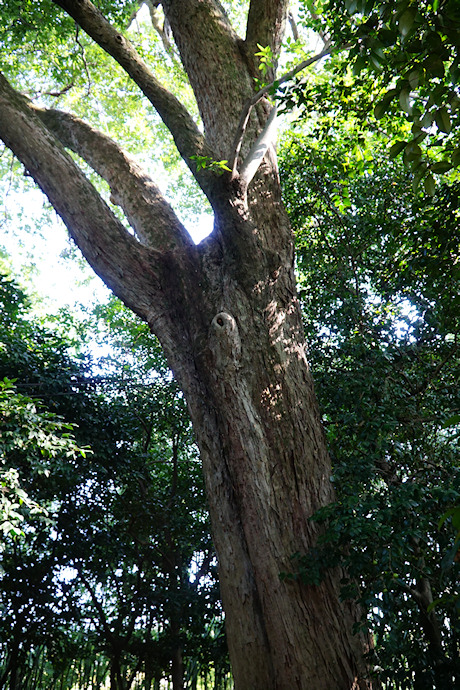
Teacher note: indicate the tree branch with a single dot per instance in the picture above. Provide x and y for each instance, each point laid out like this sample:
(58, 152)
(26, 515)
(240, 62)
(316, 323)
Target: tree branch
(233, 161)
(215, 60)
(131, 188)
(127, 267)
(97, 604)
(187, 137)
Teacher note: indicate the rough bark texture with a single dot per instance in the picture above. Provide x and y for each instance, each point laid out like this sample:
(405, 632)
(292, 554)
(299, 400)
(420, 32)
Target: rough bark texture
(227, 315)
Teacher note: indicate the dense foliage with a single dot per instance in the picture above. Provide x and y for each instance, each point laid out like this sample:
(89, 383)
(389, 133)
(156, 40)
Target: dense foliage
(406, 55)
(107, 565)
(380, 283)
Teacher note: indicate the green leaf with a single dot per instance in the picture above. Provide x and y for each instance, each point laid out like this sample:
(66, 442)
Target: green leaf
(396, 149)
(406, 21)
(451, 421)
(429, 184)
(449, 557)
(359, 64)
(441, 167)
(443, 120)
(456, 157)
(414, 78)
(417, 179)
(378, 61)
(404, 101)
(381, 108)
(413, 151)
(434, 65)
(351, 5)
(426, 120)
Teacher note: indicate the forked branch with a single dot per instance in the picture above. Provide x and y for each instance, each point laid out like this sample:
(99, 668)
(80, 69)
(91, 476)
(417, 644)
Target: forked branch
(187, 137)
(127, 267)
(148, 213)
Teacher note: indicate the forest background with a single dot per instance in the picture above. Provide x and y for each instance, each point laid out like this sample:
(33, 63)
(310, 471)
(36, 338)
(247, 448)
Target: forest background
(108, 569)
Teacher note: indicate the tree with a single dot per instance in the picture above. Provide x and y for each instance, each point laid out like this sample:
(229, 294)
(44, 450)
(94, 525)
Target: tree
(226, 311)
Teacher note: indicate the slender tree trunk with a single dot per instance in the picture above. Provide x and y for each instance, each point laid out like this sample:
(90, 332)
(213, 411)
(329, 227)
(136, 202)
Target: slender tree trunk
(177, 669)
(13, 665)
(117, 681)
(148, 676)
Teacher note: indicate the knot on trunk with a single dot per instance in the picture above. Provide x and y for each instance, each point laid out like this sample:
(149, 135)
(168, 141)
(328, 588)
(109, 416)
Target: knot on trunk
(224, 341)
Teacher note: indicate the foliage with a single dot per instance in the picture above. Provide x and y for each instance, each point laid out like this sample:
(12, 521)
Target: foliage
(407, 55)
(33, 440)
(127, 559)
(379, 282)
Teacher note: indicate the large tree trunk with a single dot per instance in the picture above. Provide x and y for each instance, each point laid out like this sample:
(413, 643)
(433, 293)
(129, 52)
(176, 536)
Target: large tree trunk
(227, 315)
(265, 463)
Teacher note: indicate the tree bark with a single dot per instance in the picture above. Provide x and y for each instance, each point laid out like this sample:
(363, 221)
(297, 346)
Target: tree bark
(227, 315)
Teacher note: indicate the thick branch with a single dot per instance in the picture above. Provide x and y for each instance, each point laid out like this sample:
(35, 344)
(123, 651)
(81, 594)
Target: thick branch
(188, 139)
(265, 26)
(216, 64)
(126, 266)
(148, 213)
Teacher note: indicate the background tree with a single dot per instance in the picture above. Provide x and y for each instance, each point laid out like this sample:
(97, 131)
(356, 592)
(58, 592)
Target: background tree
(120, 577)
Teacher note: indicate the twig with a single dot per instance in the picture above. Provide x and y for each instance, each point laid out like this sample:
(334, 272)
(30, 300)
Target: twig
(293, 25)
(57, 94)
(83, 57)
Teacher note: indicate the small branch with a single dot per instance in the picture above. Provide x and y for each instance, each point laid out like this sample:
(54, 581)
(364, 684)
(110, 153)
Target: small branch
(83, 57)
(421, 388)
(57, 94)
(293, 25)
(162, 29)
(261, 94)
(97, 604)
